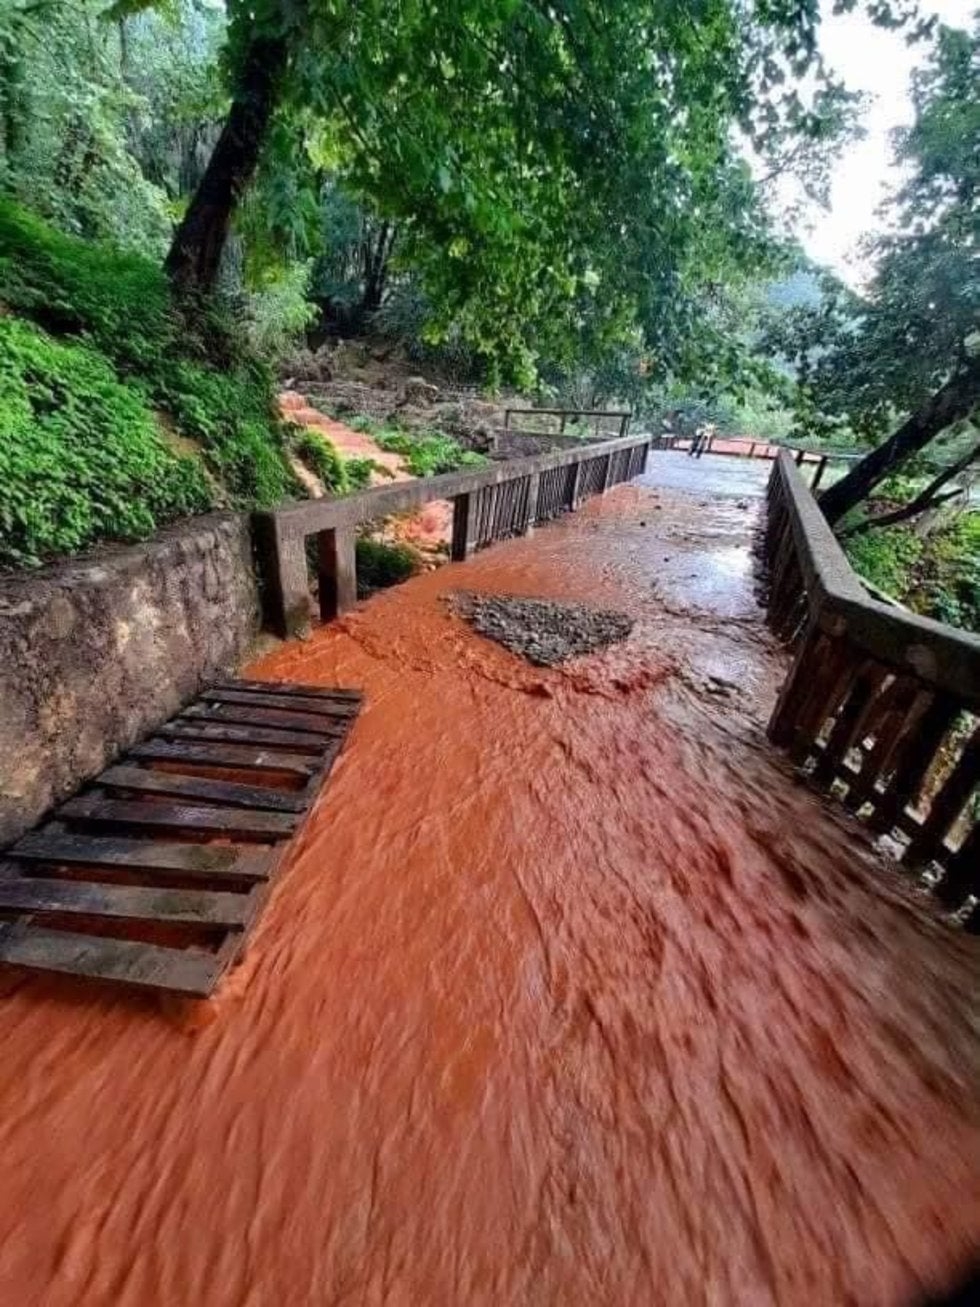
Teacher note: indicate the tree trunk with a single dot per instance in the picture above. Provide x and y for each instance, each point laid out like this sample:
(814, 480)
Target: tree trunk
(195, 254)
(375, 272)
(955, 400)
(926, 499)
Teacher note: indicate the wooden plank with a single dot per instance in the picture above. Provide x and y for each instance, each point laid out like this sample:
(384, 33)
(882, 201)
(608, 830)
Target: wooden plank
(847, 729)
(146, 966)
(328, 708)
(304, 723)
(179, 817)
(207, 861)
(917, 756)
(947, 805)
(962, 873)
(29, 894)
(220, 733)
(223, 793)
(291, 688)
(291, 731)
(236, 757)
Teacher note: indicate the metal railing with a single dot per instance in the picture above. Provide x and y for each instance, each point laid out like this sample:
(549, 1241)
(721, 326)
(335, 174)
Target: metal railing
(489, 504)
(880, 708)
(619, 418)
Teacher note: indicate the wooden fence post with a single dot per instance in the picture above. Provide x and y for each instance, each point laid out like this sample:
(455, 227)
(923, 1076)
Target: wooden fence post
(285, 585)
(337, 551)
(577, 485)
(533, 488)
(464, 527)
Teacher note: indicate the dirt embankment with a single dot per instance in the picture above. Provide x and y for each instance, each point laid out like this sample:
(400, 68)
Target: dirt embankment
(427, 531)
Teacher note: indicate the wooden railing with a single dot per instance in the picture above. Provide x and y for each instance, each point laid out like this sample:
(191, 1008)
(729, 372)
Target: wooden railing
(489, 504)
(881, 706)
(618, 418)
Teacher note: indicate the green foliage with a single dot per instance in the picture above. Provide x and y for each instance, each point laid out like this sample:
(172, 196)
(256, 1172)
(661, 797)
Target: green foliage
(426, 453)
(936, 574)
(70, 119)
(231, 411)
(380, 565)
(886, 558)
(948, 584)
(866, 360)
(112, 312)
(564, 180)
(81, 455)
(360, 470)
(279, 312)
(339, 475)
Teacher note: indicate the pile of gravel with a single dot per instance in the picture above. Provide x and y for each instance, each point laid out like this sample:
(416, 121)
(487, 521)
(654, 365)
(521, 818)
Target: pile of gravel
(543, 632)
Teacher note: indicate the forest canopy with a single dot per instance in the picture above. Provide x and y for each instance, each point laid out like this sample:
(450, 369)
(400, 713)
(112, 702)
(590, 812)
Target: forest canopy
(572, 198)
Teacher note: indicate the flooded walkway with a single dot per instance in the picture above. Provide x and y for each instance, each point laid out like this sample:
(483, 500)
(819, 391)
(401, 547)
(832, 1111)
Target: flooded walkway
(570, 996)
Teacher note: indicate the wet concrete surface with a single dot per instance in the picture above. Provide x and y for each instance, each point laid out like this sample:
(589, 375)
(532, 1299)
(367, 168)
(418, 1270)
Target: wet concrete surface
(570, 994)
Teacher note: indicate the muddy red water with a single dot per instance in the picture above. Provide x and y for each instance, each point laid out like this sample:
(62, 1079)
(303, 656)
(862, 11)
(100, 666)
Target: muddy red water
(569, 995)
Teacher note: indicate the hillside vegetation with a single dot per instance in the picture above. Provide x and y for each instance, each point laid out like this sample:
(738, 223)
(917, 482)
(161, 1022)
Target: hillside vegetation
(116, 414)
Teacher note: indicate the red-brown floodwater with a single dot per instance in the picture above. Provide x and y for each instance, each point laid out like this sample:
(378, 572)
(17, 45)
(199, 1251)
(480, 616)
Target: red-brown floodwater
(570, 995)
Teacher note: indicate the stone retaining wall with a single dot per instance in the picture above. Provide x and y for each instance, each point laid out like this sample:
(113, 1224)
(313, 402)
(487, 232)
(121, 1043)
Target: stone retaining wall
(95, 653)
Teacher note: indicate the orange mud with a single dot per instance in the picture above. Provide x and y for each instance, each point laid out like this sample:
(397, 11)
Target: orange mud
(569, 996)
(429, 530)
(347, 441)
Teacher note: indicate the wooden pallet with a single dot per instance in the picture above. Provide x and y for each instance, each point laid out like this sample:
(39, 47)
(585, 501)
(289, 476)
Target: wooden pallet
(154, 875)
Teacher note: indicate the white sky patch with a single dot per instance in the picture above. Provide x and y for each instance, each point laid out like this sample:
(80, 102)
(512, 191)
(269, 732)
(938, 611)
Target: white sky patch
(879, 63)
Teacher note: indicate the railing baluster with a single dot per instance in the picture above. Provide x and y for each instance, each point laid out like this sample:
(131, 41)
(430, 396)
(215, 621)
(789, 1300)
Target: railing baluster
(875, 693)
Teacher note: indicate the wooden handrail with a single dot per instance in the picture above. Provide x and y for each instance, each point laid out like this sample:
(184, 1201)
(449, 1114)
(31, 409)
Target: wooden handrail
(490, 504)
(941, 655)
(881, 707)
(622, 416)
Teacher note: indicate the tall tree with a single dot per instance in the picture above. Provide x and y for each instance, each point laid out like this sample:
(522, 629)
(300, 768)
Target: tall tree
(907, 352)
(546, 162)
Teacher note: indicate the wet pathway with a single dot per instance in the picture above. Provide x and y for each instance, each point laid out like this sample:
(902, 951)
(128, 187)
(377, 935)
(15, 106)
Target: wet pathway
(570, 996)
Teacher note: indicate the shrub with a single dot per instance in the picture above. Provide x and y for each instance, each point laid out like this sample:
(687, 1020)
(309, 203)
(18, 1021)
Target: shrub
(885, 556)
(81, 455)
(113, 313)
(321, 457)
(360, 471)
(380, 565)
(279, 312)
(340, 476)
(948, 587)
(426, 453)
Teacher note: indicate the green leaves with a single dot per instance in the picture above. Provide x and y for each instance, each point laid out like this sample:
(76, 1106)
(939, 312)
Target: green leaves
(865, 360)
(81, 456)
(131, 418)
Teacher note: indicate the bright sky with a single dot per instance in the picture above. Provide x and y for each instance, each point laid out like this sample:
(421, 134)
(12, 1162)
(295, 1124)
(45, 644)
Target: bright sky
(879, 63)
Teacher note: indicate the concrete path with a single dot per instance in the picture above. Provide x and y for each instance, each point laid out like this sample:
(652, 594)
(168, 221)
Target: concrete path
(571, 995)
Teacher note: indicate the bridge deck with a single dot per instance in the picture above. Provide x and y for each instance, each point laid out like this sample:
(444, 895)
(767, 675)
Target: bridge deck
(576, 997)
